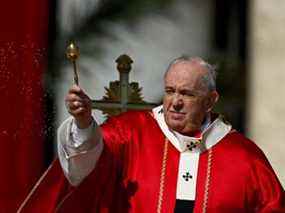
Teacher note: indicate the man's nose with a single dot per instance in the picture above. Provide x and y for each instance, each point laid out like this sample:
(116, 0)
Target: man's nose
(177, 102)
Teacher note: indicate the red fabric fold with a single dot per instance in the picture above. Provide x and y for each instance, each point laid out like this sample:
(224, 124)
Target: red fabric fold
(23, 41)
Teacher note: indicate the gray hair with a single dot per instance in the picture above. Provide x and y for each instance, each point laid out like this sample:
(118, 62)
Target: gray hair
(209, 79)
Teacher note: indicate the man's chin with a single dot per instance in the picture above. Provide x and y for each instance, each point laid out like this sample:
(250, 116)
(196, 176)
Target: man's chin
(174, 125)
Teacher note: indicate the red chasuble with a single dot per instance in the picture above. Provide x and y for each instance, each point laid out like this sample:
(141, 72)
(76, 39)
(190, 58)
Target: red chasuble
(129, 176)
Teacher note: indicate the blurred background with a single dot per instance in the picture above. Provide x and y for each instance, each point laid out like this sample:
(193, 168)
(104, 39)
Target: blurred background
(244, 39)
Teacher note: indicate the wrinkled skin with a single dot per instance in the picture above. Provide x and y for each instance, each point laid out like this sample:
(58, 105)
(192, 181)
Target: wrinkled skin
(187, 99)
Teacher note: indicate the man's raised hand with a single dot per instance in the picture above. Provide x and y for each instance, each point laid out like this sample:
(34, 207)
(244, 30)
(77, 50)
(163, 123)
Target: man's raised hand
(79, 105)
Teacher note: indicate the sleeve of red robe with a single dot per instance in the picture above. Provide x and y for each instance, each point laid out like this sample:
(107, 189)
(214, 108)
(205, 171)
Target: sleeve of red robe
(269, 194)
(97, 192)
(103, 189)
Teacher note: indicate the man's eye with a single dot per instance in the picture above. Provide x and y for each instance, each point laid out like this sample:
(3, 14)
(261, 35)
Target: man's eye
(169, 92)
(189, 94)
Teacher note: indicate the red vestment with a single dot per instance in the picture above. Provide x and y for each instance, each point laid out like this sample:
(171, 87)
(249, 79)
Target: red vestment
(127, 175)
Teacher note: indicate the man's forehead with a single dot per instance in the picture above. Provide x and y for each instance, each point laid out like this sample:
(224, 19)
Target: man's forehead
(186, 71)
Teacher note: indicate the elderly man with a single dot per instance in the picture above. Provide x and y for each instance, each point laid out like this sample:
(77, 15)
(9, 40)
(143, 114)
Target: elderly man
(180, 157)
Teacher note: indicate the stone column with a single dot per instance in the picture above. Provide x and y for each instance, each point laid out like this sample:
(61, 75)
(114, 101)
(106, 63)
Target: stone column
(266, 114)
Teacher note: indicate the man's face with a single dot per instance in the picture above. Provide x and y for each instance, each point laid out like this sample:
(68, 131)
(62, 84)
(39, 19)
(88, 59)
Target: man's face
(187, 99)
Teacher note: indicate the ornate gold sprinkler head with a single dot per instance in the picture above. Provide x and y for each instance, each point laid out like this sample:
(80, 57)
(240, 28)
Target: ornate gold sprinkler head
(72, 54)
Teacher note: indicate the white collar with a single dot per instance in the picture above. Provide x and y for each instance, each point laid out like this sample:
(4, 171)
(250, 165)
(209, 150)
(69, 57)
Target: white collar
(212, 133)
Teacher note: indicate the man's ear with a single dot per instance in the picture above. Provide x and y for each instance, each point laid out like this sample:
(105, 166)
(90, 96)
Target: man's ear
(212, 99)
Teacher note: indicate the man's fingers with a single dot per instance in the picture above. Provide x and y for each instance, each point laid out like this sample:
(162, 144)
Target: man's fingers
(79, 111)
(77, 101)
(74, 105)
(78, 104)
(73, 97)
(76, 93)
(75, 89)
